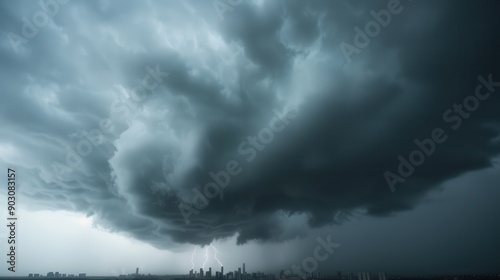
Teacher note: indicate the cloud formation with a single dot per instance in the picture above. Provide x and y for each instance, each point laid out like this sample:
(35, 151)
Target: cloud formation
(225, 79)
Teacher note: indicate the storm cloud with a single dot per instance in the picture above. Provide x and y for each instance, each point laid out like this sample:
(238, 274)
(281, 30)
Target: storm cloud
(226, 80)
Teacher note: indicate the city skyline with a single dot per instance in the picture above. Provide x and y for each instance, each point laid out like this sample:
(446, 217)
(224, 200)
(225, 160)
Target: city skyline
(240, 274)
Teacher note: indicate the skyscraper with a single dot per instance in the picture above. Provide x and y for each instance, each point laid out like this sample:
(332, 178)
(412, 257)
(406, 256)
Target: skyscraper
(363, 276)
(381, 276)
(137, 271)
(244, 273)
(222, 271)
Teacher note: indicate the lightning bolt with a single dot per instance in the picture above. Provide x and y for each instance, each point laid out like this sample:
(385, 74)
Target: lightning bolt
(206, 258)
(215, 255)
(192, 257)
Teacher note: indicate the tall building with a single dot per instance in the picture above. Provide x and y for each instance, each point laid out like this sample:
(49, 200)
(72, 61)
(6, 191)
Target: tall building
(201, 272)
(222, 271)
(209, 272)
(244, 268)
(363, 276)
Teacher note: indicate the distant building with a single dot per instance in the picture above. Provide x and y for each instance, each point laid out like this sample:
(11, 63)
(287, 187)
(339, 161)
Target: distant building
(82, 275)
(57, 274)
(137, 271)
(30, 275)
(50, 274)
(37, 275)
(363, 276)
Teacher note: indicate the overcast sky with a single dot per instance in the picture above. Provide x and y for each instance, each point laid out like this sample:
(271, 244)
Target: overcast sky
(141, 130)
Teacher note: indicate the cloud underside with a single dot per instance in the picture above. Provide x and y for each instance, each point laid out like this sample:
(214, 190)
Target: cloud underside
(227, 79)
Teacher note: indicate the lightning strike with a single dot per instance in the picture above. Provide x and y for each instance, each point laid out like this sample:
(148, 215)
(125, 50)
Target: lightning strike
(192, 257)
(206, 258)
(215, 255)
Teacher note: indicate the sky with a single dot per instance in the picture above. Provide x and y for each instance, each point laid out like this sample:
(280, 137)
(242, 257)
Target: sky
(166, 135)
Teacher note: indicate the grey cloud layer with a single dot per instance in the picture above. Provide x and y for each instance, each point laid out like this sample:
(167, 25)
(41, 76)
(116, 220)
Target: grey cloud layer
(225, 79)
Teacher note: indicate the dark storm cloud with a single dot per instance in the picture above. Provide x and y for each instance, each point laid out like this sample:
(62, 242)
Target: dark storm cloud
(226, 78)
